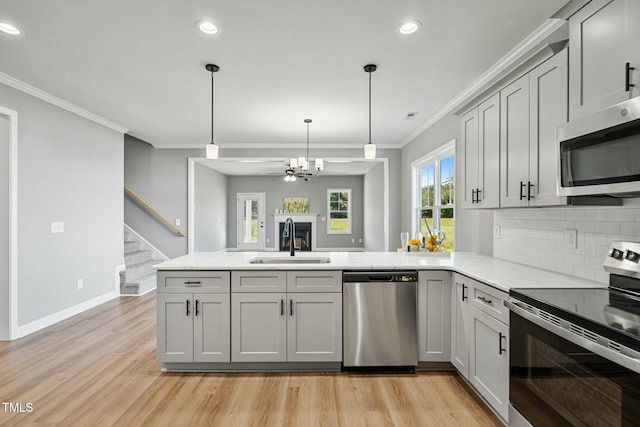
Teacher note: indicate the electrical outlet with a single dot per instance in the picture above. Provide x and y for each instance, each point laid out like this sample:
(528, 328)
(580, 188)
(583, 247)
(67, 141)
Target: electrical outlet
(80, 284)
(268, 240)
(353, 240)
(571, 238)
(178, 222)
(360, 240)
(496, 231)
(57, 227)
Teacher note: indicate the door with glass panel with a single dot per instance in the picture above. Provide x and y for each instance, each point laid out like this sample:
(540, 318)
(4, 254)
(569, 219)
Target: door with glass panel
(250, 224)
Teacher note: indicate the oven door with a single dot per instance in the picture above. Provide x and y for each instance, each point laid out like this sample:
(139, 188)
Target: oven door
(555, 382)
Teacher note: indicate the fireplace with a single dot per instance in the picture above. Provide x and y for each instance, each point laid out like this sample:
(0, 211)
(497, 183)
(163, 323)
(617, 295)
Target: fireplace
(302, 239)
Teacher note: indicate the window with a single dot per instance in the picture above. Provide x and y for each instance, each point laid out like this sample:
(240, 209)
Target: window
(339, 211)
(433, 189)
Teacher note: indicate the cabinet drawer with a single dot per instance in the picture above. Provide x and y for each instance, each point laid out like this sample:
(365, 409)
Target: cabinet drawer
(314, 281)
(193, 281)
(489, 300)
(259, 281)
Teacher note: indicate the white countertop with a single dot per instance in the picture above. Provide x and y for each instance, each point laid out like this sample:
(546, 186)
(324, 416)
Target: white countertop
(500, 274)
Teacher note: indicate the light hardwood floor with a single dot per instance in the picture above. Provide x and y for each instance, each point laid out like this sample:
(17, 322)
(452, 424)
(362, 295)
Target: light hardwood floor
(99, 368)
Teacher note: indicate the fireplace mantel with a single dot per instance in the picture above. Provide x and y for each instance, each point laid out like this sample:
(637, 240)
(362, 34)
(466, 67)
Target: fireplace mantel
(296, 217)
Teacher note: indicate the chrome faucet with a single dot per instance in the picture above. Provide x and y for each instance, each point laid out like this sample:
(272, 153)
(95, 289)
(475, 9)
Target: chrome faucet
(290, 232)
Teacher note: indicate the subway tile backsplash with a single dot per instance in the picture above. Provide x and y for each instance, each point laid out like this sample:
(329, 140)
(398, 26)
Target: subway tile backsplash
(536, 237)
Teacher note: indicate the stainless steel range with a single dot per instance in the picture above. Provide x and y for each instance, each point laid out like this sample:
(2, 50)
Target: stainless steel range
(575, 353)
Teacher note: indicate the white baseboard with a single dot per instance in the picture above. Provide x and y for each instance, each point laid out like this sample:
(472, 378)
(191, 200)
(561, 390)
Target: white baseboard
(54, 318)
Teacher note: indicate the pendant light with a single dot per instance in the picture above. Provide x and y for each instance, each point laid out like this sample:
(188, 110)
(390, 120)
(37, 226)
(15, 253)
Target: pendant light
(300, 166)
(212, 148)
(370, 148)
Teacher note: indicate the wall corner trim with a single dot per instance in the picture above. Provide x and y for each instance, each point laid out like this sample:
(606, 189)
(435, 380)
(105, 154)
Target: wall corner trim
(58, 102)
(54, 318)
(516, 55)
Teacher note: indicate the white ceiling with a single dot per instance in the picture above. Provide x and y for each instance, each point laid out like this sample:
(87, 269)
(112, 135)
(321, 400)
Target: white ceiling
(141, 63)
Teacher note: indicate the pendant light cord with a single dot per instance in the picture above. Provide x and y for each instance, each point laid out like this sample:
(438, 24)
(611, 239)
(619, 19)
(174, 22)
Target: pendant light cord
(212, 108)
(369, 107)
(307, 159)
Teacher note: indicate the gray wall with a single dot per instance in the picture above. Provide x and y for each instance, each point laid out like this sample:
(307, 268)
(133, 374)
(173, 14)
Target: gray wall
(70, 169)
(160, 177)
(374, 209)
(210, 215)
(4, 228)
(474, 228)
(276, 189)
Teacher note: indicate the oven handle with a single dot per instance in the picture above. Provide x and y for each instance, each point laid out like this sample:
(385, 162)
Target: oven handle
(599, 349)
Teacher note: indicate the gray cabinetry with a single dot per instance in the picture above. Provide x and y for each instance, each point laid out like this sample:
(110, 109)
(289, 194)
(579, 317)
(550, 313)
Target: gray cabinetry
(258, 327)
(434, 316)
(193, 326)
(303, 324)
(460, 325)
(531, 108)
(480, 135)
(314, 327)
(603, 37)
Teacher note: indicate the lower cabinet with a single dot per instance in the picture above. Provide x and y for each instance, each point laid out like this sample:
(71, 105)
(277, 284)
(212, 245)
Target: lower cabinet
(193, 327)
(489, 361)
(281, 327)
(434, 319)
(460, 325)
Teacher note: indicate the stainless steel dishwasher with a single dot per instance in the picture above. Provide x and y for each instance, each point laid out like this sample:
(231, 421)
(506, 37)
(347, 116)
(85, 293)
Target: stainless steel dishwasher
(379, 319)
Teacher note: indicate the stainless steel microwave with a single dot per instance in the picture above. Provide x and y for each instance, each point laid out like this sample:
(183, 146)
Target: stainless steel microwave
(600, 154)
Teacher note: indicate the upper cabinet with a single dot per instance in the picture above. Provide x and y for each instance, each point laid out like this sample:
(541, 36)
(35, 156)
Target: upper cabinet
(604, 55)
(531, 108)
(480, 136)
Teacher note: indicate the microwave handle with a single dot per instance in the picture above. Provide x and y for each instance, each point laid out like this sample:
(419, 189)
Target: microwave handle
(627, 77)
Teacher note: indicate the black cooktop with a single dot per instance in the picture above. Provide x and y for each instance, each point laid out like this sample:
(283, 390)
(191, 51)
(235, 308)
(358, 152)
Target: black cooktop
(610, 312)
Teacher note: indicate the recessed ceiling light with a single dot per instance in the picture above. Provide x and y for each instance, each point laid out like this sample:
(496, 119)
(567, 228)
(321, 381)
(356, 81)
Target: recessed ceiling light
(9, 29)
(409, 27)
(207, 27)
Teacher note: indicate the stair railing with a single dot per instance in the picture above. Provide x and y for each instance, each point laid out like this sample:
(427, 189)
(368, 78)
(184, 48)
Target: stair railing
(154, 212)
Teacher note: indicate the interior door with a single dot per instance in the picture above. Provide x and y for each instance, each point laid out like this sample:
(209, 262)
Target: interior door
(250, 223)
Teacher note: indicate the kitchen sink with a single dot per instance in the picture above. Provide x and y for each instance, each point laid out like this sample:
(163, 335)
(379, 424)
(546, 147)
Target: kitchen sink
(290, 260)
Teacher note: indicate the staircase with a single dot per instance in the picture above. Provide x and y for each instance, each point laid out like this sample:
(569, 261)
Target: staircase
(139, 256)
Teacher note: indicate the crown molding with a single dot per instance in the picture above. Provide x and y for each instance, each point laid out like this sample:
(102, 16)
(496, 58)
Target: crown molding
(507, 63)
(245, 145)
(58, 102)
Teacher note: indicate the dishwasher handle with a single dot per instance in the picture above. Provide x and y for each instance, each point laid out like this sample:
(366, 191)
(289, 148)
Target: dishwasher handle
(380, 276)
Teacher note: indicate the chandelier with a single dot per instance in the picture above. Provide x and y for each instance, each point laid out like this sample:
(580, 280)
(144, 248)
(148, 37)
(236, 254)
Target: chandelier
(299, 168)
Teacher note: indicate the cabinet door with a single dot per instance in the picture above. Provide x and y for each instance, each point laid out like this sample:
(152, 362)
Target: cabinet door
(514, 143)
(470, 155)
(489, 153)
(459, 326)
(548, 98)
(258, 327)
(175, 327)
(434, 316)
(314, 328)
(212, 328)
(489, 364)
(602, 39)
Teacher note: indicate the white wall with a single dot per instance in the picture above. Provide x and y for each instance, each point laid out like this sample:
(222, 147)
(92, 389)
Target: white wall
(536, 237)
(70, 169)
(4, 228)
(473, 228)
(210, 215)
(374, 209)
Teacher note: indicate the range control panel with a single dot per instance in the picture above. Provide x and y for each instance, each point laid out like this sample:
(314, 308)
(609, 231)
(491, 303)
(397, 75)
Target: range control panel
(623, 259)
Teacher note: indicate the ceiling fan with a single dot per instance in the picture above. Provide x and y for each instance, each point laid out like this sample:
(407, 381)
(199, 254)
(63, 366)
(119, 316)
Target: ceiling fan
(299, 168)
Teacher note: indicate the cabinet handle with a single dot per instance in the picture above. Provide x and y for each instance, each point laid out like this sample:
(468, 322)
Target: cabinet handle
(627, 77)
(197, 312)
(473, 196)
(529, 185)
(281, 307)
(464, 287)
(478, 191)
(193, 283)
(188, 307)
(291, 307)
(522, 185)
(500, 338)
(486, 301)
